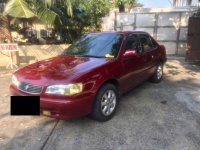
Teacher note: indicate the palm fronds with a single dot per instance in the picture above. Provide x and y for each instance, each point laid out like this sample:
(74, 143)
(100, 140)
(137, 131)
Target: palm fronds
(18, 9)
(42, 9)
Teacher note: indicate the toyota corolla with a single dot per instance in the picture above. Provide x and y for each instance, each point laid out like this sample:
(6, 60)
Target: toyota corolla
(89, 76)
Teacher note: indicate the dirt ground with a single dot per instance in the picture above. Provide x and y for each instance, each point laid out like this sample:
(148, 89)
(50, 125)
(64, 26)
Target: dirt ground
(152, 116)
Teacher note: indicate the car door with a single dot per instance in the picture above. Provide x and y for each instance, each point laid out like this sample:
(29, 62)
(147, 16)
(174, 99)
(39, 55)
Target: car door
(149, 54)
(132, 66)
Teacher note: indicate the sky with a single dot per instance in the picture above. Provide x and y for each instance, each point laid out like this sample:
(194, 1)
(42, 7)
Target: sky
(155, 3)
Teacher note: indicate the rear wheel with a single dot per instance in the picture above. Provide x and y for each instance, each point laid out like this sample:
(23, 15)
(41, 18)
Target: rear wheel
(158, 74)
(106, 102)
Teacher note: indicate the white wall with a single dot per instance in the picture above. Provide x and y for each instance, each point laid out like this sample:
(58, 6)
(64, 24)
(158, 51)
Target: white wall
(168, 28)
(194, 3)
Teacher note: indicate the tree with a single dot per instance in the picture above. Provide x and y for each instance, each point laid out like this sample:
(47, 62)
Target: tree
(40, 9)
(131, 3)
(87, 17)
(74, 17)
(121, 5)
(96, 10)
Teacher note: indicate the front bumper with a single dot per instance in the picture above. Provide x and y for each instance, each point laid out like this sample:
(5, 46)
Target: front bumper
(61, 108)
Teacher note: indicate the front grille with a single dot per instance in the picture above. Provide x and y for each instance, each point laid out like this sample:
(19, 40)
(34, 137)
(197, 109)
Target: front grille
(29, 88)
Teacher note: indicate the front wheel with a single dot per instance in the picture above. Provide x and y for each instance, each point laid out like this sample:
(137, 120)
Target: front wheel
(158, 74)
(106, 102)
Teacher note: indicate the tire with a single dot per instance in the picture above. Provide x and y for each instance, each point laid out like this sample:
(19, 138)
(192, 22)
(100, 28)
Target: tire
(158, 74)
(104, 107)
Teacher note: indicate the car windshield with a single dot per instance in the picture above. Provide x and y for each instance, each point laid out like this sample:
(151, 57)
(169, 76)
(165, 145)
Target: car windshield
(98, 45)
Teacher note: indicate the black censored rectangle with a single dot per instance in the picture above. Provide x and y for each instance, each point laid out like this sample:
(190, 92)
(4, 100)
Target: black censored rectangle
(25, 105)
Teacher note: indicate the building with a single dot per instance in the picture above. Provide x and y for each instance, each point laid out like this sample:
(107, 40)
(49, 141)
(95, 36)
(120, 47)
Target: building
(182, 3)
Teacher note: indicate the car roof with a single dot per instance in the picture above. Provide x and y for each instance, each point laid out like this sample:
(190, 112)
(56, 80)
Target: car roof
(122, 32)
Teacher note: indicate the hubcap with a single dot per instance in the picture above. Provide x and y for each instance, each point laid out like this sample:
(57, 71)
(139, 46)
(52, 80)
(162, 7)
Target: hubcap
(108, 102)
(159, 72)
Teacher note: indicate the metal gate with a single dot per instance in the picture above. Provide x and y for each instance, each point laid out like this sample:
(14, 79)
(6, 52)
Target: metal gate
(193, 40)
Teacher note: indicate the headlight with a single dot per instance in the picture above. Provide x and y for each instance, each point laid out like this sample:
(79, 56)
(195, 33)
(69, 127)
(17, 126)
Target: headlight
(69, 89)
(15, 81)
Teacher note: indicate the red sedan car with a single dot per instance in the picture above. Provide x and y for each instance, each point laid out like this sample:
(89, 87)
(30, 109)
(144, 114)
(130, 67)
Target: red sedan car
(90, 75)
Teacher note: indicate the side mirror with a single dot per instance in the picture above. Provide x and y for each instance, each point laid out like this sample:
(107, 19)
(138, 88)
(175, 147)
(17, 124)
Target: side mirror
(130, 53)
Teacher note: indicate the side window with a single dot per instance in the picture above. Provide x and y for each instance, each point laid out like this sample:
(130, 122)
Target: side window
(132, 42)
(155, 45)
(146, 42)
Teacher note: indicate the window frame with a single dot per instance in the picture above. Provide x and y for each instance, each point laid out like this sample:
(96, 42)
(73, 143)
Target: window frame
(138, 41)
(150, 39)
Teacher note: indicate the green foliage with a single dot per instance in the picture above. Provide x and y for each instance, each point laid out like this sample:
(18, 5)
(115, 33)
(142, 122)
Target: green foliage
(95, 10)
(128, 2)
(46, 15)
(18, 8)
(62, 14)
(41, 9)
(123, 2)
(120, 2)
(66, 3)
(88, 20)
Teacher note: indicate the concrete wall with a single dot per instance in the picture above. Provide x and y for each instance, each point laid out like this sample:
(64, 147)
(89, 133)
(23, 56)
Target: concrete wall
(186, 3)
(31, 53)
(168, 28)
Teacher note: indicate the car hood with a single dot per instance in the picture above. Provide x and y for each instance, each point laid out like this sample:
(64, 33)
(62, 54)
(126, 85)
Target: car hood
(58, 70)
